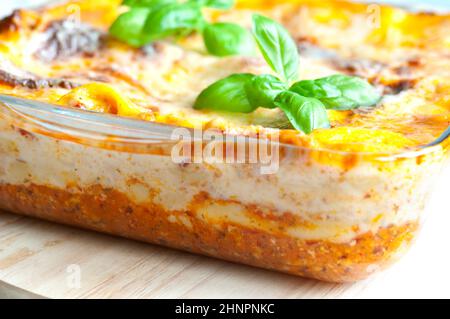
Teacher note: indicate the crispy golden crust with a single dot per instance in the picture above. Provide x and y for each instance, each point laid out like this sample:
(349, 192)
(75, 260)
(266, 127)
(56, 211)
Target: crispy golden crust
(109, 211)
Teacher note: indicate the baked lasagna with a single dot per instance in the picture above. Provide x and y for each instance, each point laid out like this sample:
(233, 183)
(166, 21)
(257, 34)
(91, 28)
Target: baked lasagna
(345, 201)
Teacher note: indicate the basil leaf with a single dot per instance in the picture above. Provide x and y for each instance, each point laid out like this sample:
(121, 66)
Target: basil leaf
(172, 19)
(305, 114)
(263, 89)
(354, 91)
(227, 94)
(312, 88)
(128, 27)
(339, 92)
(217, 4)
(277, 47)
(146, 3)
(133, 3)
(223, 39)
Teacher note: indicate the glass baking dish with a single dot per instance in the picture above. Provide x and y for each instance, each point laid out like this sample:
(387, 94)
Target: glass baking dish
(329, 215)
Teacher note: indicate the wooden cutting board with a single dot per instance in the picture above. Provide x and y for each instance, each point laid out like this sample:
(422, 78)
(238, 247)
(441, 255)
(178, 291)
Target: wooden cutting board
(49, 260)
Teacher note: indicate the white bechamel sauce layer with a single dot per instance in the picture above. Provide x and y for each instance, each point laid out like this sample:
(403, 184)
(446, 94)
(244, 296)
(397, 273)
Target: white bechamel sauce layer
(341, 204)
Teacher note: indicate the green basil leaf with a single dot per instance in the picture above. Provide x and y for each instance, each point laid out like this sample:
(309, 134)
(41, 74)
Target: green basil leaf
(354, 90)
(339, 92)
(277, 47)
(146, 3)
(173, 19)
(263, 89)
(217, 4)
(305, 114)
(132, 3)
(312, 88)
(128, 27)
(223, 39)
(227, 94)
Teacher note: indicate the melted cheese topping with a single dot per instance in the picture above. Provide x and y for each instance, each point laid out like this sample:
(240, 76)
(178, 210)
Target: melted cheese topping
(48, 56)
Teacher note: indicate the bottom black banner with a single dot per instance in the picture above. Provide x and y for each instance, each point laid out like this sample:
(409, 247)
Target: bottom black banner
(215, 308)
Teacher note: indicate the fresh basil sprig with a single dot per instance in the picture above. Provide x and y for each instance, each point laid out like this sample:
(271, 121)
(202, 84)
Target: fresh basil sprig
(305, 103)
(150, 20)
(224, 39)
(339, 92)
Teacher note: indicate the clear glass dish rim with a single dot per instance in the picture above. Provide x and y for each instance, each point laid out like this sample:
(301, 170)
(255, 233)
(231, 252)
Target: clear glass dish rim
(76, 122)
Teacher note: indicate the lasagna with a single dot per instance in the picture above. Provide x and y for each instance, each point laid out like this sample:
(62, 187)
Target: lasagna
(345, 201)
